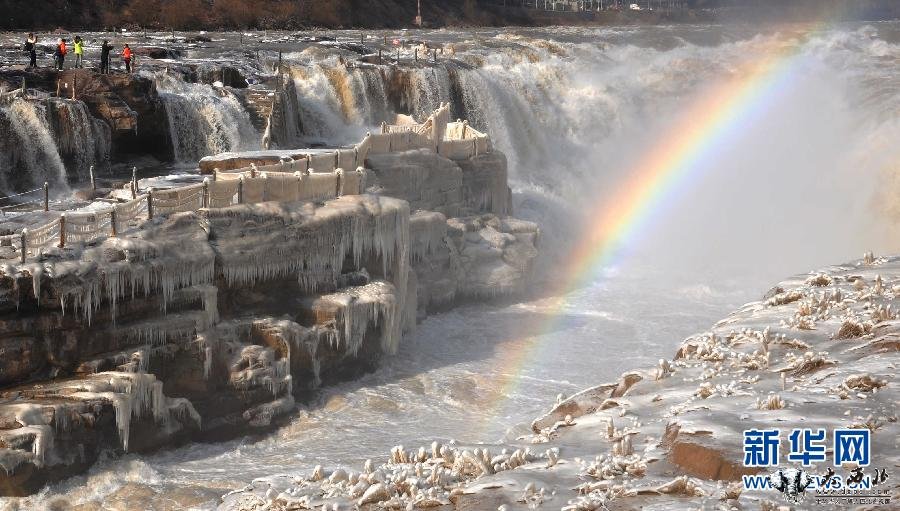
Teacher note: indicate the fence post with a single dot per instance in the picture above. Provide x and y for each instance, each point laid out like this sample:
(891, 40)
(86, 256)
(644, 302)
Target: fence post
(205, 192)
(23, 248)
(337, 188)
(91, 174)
(112, 222)
(46, 196)
(415, 55)
(241, 190)
(150, 204)
(62, 230)
(337, 158)
(253, 170)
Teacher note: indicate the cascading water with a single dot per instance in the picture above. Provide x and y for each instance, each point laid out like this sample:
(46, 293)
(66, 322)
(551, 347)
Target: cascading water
(790, 187)
(204, 120)
(52, 140)
(338, 103)
(333, 107)
(29, 155)
(575, 115)
(82, 140)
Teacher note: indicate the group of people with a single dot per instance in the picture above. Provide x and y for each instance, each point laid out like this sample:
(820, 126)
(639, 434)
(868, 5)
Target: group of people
(61, 50)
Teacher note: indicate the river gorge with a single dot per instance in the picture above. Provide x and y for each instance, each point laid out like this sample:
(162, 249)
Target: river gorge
(611, 192)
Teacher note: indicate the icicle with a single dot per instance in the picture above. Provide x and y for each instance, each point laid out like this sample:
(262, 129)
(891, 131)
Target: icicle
(160, 410)
(122, 406)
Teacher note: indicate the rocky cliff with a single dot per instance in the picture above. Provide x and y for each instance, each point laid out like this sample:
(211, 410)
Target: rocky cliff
(211, 323)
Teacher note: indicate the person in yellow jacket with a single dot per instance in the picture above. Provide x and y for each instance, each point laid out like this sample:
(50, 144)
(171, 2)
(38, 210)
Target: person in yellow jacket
(79, 52)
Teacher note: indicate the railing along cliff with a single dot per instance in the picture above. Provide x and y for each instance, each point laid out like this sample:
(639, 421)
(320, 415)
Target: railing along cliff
(319, 176)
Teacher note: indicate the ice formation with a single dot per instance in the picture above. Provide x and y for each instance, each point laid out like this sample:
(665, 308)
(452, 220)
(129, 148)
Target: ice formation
(311, 243)
(355, 309)
(243, 289)
(427, 232)
(131, 396)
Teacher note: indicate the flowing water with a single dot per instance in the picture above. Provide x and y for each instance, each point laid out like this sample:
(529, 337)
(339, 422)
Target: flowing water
(203, 121)
(806, 177)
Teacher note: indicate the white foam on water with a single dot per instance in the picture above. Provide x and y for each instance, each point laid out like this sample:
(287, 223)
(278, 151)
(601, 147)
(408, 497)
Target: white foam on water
(204, 120)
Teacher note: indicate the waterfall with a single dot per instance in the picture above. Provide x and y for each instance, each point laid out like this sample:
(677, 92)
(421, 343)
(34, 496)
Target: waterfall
(337, 103)
(51, 140)
(29, 155)
(204, 120)
(333, 107)
(576, 114)
(82, 140)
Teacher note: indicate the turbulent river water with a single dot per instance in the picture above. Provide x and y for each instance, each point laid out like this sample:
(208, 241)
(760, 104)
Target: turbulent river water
(802, 179)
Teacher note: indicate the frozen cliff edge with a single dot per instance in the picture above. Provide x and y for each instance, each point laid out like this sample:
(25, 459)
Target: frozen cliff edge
(207, 324)
(818, 351)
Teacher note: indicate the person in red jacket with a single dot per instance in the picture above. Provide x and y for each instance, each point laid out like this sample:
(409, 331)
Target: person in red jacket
(126, 56)
(60, 54)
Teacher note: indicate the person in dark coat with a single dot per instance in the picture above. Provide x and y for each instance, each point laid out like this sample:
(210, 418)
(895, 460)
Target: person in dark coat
(105, 48)
(31, 48)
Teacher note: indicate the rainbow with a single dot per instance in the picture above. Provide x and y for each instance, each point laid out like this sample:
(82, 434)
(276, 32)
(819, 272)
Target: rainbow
(690, 146)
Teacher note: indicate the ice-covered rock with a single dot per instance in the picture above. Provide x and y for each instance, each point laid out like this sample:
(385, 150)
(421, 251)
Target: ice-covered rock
(239, 309)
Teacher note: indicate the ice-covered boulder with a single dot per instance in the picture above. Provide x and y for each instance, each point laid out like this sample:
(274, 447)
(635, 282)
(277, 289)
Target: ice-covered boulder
(426, 180)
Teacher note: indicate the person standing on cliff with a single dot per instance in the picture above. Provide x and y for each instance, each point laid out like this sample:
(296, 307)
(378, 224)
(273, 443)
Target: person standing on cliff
(126, 56)
(105, 48)
(79, 52)
(61, 54)
(31, 48)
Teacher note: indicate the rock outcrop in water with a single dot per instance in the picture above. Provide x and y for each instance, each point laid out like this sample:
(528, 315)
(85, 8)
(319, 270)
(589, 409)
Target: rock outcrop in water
(818, 351)
(210, 323)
